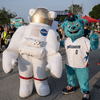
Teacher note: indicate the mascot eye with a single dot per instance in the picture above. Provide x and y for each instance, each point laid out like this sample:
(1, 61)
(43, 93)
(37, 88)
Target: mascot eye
(77, 24)
(68, 26)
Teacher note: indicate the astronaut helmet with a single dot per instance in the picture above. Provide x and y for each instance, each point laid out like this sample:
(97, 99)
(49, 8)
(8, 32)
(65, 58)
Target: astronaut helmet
(42, 15)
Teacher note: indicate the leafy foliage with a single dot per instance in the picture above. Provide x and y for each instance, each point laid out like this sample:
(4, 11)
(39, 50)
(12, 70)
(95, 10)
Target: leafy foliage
(95, 13)
(77, 9)
(6, 15)
(60, 18)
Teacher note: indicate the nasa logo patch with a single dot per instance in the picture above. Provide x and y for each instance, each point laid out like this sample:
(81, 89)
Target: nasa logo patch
(44, 32)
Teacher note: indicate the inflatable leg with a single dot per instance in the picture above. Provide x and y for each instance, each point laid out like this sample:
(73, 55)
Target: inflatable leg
(40, 77)
(42, 86)
(26, 77)
(26, 86)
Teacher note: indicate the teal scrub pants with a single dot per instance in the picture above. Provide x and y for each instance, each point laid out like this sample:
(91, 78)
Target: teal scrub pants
(82, 76)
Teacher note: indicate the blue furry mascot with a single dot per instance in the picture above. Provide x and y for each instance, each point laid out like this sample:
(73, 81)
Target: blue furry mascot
(77, 51)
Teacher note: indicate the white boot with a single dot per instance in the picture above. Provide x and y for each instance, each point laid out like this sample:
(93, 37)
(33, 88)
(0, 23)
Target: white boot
(42, 87)
(26, 88)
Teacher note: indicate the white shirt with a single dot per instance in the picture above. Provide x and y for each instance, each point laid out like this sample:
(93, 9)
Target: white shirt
(76, 52)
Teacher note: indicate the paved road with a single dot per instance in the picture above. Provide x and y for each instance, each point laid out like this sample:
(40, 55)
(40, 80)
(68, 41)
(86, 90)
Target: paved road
(9, 83)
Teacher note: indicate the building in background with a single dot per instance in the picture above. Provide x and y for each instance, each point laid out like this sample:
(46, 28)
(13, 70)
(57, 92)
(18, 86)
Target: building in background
(17, 22)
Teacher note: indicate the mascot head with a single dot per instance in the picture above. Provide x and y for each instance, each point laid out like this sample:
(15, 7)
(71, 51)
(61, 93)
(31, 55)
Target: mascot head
(74, 26)
(42, 15)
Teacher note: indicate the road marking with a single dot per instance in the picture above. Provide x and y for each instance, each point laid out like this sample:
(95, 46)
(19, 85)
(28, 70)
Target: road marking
(93, 80)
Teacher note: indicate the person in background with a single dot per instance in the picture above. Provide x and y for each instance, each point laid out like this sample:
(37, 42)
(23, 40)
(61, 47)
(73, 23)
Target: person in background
(86, 31)
(9, 36)
(13, 28)
(1, 32)
(95, 31)
(4, 40)
(60, 31)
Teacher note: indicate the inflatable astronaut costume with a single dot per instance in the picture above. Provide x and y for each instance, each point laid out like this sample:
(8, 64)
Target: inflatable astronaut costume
(36, 48)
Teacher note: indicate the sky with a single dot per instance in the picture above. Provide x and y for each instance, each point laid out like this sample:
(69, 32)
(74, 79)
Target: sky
(21, 7)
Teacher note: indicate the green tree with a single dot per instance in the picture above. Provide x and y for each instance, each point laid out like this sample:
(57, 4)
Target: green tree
(95, 13)
(6, 15)
(77, 9)
(60, 18)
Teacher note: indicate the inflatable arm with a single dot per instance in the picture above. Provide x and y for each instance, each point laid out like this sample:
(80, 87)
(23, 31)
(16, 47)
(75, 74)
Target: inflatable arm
(55, 65)
(11, 54)
(94, 42)
(9, 61)
(54, 58)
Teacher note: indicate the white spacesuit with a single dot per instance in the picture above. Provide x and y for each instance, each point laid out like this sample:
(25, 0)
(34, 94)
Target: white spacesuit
(35, 48)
